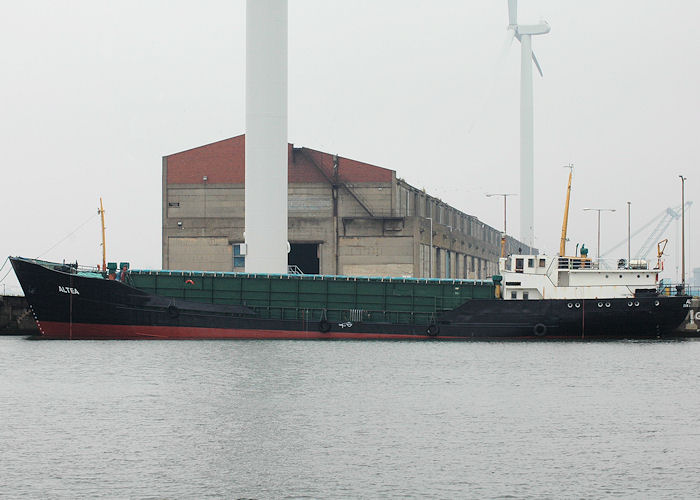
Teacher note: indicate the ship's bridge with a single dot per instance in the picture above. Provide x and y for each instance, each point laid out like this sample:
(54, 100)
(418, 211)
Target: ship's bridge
(528, 277)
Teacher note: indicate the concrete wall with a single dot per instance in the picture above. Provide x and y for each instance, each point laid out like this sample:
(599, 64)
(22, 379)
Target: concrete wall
(376, 256)
(202, 253)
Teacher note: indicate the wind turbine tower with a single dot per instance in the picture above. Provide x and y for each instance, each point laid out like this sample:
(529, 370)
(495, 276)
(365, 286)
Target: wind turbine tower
(266, 137)
(524, 33)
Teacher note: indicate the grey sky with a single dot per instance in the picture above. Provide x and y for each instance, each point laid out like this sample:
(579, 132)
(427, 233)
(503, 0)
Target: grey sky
(94, 94)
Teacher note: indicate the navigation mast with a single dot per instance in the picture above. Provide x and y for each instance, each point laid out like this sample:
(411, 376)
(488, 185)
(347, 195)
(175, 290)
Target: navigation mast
(101, 211)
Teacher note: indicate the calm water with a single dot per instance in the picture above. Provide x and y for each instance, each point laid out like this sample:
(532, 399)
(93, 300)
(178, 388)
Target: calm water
(276, 419)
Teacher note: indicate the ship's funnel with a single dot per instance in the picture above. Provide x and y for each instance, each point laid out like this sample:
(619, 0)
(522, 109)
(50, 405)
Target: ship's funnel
(266, 137)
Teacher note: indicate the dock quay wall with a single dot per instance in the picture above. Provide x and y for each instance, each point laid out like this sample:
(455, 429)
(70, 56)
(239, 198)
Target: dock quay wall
(15, 316)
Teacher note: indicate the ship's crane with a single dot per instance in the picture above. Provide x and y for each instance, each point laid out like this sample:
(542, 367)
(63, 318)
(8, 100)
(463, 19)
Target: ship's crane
(565, 223)
(660, 223)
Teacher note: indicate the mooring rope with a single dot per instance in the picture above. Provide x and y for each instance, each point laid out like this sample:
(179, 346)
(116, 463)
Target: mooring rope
(3, 267)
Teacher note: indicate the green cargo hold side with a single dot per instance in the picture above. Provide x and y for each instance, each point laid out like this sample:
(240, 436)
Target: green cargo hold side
(312, 297)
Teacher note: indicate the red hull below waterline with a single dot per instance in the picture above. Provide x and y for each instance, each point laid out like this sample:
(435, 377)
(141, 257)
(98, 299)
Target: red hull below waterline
(83, 331)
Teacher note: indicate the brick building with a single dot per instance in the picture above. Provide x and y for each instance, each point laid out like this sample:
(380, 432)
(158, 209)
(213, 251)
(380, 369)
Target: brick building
(345, 217)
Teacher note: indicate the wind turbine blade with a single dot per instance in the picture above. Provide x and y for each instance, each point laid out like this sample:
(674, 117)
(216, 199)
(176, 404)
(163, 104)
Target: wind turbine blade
(509, 39)
(497, 73)
(504, 52)
(512, 12)
(534, 59)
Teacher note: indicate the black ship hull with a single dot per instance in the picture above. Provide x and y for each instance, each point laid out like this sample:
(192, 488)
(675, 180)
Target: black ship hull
(69, 306)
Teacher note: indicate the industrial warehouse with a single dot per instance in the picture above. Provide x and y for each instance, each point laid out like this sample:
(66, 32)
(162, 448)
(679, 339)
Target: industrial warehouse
(345, 218)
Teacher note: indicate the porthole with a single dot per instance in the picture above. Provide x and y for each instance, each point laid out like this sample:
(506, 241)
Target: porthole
(636, 303)
(607, 304)
(578, 305)
(638, 276)
(620, 276)
(629, 303)
(607, 276)
(656, 303)
(600, 304)
(647, 275)
(569, 305)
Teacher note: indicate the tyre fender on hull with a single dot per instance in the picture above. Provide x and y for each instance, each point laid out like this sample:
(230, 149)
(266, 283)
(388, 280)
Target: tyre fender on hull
(324, 326)
(173, 312)
(432, 330)
(540, 330)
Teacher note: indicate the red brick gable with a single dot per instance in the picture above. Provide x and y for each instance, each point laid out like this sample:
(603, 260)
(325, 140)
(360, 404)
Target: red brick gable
(348, 170)
(223, 162)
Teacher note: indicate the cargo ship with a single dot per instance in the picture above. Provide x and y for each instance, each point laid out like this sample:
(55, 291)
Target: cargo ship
(534, 297)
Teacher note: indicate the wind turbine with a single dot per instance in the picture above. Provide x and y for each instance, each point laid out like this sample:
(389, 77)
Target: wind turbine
(524, 33)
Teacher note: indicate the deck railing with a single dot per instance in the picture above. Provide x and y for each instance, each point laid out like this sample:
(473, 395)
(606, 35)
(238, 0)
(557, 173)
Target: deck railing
(674, 289)
(575, 263)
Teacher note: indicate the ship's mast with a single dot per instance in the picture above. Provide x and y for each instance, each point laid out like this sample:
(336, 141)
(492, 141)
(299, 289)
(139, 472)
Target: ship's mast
(562, 244)
(101, 211)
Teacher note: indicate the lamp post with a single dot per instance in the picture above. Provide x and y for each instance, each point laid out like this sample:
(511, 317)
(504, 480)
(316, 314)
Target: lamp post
(430, 256)
(505, 218)
(629, 237)
(599, 210)
(683, 179)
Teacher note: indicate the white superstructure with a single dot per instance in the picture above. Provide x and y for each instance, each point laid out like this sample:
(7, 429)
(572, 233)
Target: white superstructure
(536, 277)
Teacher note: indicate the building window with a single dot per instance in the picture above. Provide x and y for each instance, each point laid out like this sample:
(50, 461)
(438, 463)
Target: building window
(525, 295)
(530, 262)
(238, 258)
(438, 263)
(541, 262)
(513, 295)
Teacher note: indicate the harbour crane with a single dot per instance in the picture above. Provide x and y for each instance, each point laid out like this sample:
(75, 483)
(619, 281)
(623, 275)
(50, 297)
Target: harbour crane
(660, 222)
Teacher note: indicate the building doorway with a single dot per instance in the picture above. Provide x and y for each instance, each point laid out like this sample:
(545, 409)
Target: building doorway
(305, 257)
